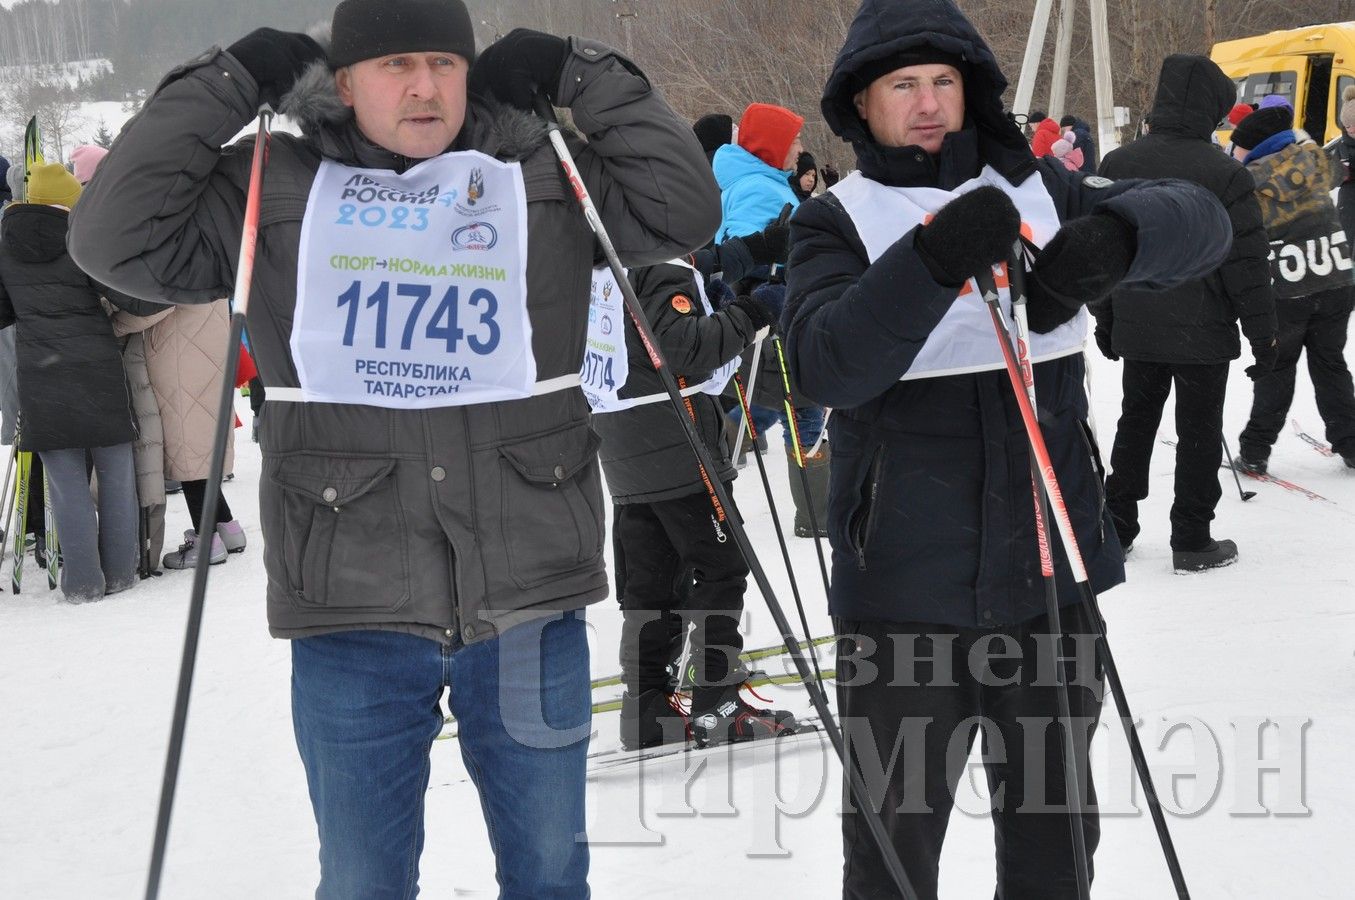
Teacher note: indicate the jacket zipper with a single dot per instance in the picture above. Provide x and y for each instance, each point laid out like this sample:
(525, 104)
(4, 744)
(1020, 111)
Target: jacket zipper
(862, 536)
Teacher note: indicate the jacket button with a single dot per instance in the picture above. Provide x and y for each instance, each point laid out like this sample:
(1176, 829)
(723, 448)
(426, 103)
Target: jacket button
(438, 473)
(559, 473)
(468, 632)
(987, 615)
(330, 495)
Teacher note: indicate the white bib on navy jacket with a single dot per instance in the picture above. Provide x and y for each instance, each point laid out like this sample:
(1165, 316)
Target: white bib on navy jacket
(964, 340)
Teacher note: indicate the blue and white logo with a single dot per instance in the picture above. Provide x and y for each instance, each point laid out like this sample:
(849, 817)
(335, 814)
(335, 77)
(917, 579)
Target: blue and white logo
(475, 236)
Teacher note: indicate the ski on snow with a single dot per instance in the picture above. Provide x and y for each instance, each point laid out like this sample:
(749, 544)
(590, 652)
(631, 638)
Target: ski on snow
(1269, 479)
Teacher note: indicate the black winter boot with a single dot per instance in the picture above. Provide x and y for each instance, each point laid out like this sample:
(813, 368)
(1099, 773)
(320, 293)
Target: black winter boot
(651, 719)
(1217, 555)
(722, 716)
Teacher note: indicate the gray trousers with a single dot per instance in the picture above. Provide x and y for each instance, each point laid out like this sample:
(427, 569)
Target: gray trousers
(98, 550)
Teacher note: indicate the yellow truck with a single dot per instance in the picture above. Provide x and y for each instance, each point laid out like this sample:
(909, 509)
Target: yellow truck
(1309, 66)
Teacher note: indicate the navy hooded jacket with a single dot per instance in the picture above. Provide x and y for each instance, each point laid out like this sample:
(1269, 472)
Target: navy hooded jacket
(930, 509)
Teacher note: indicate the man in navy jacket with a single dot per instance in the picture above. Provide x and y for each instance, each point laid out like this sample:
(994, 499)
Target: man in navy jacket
(931, 518)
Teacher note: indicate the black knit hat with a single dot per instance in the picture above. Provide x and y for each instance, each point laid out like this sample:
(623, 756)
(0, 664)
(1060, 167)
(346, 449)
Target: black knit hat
(1262, 124)
(714, 131)
(366, 29)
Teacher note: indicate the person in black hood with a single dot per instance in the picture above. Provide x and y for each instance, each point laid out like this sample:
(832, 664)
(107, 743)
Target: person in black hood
(1187, 335)
(1085, 143)
(806, 178)
(930, 513)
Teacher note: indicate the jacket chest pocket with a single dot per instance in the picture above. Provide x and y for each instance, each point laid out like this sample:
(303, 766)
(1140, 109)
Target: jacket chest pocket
(341, 533)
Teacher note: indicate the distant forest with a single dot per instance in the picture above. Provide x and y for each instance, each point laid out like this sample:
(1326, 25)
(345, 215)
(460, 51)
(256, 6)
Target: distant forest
(142, 38)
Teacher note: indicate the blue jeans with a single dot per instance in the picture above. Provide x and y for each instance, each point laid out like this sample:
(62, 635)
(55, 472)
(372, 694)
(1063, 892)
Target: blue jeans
(365, 711)
(808, 418)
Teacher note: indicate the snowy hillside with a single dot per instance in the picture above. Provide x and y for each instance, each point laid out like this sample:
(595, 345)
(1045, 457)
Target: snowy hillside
(86, 695)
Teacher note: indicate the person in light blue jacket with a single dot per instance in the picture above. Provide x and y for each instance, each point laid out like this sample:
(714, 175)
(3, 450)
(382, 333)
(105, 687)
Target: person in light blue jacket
(753, 173)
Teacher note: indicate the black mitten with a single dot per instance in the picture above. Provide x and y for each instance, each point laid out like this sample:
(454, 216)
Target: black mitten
(1266, 353)
(520, 65)
(1083, 262)
(1104, 343)
(758, 312)
(968, 235)
(771, 244)
(274, 59)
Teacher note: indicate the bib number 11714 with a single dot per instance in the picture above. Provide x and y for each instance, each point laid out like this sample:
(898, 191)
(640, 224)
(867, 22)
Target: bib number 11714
(409, 301)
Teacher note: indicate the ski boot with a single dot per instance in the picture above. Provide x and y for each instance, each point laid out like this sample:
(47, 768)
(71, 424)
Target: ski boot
(186, 557)
(1217, 555)
(232, 535)
(650, 719)
(722, 716)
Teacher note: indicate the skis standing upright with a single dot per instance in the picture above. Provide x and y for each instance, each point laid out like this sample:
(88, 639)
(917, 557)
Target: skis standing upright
(20, 531)
(49, 526)
(32, 153)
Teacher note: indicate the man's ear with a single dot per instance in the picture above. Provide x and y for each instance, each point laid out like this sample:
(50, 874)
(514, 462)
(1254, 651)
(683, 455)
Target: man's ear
(343, 80)
(859, 101)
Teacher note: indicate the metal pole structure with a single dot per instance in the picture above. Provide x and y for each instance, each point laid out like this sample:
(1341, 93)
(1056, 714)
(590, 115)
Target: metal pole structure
(225, 422)
(1108, 137)
(1030, 63)
(856, 780)
(1063, 49)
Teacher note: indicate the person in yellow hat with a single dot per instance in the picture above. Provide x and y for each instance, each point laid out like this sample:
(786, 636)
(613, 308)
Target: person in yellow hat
(73, 397)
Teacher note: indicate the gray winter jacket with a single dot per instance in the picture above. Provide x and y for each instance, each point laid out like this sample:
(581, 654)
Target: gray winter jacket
(447, 523)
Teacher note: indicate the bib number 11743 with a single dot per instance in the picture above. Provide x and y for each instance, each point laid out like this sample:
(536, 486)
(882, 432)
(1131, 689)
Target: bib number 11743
(409, 300)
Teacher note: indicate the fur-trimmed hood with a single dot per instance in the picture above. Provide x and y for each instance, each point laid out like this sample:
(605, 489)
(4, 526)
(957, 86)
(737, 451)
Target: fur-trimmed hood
(328, 125)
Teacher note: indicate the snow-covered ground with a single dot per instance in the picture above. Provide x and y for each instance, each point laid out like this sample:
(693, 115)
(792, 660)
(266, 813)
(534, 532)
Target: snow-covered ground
(86, 696)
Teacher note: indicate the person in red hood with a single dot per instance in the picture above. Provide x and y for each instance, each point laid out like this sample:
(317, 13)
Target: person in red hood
(1046, 133)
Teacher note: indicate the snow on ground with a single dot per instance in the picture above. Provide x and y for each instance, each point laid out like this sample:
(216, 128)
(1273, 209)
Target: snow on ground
(86, 694)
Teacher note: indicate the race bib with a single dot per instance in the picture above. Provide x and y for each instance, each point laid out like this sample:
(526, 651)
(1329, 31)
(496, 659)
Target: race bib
(605, 363)
(412, 288)
(605, 357)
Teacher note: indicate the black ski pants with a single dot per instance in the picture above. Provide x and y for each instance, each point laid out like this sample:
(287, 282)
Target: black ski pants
(1200, 390)
(1317, 324)
(912, 697)
(658, 542)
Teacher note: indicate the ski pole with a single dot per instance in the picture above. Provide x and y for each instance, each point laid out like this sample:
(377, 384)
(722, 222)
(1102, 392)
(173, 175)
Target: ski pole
(746, 404)
(1063, 521)
(224, 423)
(1067, 747)
(746, 409)
(855, 779)
(1232, 466)
(793, 423)
(7, 501)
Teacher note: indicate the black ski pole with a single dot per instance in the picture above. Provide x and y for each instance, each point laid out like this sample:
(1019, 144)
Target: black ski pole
(1232, 466)
(855, 779)
(1064, 523)
(800, 456)
(224, 423)
(745, 403)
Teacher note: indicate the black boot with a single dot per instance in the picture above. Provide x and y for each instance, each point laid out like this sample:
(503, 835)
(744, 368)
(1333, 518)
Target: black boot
(722, 716)
(651, 719)
(1217, 555)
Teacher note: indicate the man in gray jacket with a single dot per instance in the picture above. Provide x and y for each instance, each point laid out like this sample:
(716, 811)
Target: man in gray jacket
(431, 501)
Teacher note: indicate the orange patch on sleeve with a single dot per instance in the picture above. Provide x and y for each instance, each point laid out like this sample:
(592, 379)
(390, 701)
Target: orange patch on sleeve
(682, 304)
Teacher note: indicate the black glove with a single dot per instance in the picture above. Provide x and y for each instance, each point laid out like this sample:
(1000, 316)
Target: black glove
(760, 313)
(274, 59)
(1104, 344)
(519, 65)
(1266, 353)
(830, 176)
(771, 244)
(968, 235)
(1083, 262)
